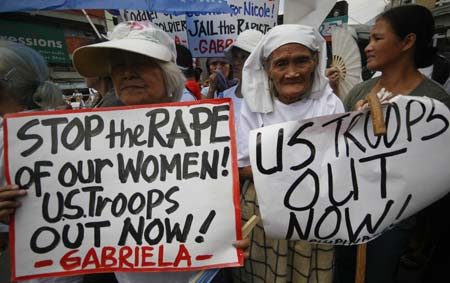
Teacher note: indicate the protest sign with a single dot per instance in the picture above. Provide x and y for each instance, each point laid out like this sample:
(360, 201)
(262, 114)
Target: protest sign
(141, 188)
(209, 34)
(330, 180)
(174, 25)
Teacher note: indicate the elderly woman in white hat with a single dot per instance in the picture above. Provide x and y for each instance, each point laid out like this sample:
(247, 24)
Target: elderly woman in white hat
(283, 80)
(141, 60)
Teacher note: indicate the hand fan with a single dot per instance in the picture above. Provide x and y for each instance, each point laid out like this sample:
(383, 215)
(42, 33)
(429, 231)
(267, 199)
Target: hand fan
(346, 58)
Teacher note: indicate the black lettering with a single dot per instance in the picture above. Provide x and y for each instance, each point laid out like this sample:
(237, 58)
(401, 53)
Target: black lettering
(367, 222)
(432, 117)
(78, 239)
(207, 166)
(168, 198)
(296, 140)
(178, 131)
(279, 154)
(294, 226)
(79, 137)
(291, 190)
(322, 219)
(382, 158)
(348, 136)
(153, 126)
(175, 164)
(198, 126)
(92, 132)
(175, 232)
(97, 234)
(410, 121)
(23, 136)
(51, 244)
(338, 121)
(59, 207)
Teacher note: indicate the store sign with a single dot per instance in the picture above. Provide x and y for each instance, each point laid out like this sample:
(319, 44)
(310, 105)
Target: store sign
(48, 41)
(329, 23)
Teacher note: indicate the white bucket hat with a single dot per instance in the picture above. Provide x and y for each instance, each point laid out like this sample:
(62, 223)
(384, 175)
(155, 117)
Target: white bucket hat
(138, 37)
(247, 40)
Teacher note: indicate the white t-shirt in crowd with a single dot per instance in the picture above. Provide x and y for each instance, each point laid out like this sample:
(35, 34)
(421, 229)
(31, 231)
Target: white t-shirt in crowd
(237, 102)
(187, 96)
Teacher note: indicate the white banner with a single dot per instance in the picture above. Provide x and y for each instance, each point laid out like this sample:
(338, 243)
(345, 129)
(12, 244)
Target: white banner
(330, 180)
(139, 188)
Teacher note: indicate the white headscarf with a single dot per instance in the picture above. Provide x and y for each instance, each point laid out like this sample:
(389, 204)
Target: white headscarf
(255, 82)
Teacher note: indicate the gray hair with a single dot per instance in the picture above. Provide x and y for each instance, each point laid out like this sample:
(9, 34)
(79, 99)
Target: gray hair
(23, 77)
(173, 79)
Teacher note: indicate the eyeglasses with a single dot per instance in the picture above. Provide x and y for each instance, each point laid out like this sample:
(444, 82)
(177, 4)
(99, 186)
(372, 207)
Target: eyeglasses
(9, 74)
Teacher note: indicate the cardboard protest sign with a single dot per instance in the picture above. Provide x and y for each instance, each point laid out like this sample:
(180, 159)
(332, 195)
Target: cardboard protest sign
(330, 180)
(174, 25)
(142, 188)
(209, 34)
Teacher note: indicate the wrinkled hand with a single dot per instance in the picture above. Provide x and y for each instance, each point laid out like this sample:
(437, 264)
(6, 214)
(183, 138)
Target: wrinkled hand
(334, 75)
(8, 202)
(243, 244)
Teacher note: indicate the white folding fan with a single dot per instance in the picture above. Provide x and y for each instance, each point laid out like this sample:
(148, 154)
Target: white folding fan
(346, 58)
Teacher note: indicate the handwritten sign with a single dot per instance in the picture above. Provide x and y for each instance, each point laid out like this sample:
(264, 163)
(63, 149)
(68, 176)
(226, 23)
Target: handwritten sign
(146, 188)
(209, 34)
(330, 180)
(174, 25)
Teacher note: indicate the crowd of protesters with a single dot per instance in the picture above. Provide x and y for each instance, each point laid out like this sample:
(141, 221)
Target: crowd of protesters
(271, 78)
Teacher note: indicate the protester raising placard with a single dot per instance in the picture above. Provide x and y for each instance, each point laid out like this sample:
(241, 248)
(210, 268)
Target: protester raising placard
(145, 188)
(330, 180)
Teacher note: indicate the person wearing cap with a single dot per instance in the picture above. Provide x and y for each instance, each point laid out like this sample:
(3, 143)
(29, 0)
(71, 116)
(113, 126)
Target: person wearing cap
(220, 77)
(237, 53)
(141, 60)
(283, 80)
(191, 90)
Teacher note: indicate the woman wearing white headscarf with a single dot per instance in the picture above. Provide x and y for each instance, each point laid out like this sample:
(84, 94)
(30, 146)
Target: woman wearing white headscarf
(283, 80)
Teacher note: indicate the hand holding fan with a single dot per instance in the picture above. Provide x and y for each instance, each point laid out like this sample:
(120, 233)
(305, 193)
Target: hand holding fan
(346, 58)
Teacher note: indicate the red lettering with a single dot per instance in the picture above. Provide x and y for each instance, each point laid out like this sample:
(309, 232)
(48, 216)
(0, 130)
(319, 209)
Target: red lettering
(68, 262)
(228, 42)
(124, 257)
(108, 255)
(124, 254)
(214, 46)
(203, 46)
(183, 254)
(161, 262)
(90, 258)
(147, 252)
(136, 256)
